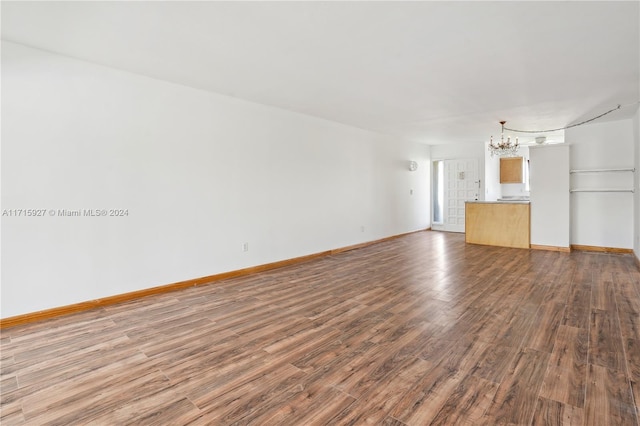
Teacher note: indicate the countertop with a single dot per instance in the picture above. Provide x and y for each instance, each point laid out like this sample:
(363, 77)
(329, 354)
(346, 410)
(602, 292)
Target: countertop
(500, 202)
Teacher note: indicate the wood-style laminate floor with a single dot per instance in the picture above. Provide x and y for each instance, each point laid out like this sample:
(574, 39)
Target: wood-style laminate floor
(418, 330)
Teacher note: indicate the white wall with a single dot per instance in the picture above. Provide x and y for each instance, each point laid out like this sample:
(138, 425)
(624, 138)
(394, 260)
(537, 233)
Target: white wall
(492, 187)
(603, 219)
(636, 194)
(199, 173)
(550, 203)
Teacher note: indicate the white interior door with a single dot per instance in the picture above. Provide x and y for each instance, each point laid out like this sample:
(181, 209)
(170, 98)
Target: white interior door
(460, 184)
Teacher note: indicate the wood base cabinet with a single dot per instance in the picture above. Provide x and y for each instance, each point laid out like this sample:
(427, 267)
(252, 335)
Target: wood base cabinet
(498, 224)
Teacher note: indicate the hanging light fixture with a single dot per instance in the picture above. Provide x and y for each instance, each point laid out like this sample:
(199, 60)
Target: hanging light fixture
(502, 148)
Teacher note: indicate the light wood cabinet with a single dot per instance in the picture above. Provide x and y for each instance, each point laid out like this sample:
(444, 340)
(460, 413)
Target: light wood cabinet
(498, 224)
(511, 170)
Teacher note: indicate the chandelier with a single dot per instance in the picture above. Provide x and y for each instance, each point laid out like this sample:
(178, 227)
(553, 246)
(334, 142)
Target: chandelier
(502, 148)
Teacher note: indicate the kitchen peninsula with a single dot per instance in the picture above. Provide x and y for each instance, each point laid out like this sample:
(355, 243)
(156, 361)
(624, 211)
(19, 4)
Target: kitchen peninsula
(504, 223)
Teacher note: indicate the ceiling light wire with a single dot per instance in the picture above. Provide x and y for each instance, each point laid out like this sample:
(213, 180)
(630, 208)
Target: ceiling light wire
(572, 125)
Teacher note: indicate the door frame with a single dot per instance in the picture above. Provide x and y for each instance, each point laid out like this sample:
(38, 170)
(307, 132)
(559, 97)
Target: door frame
(444, 226)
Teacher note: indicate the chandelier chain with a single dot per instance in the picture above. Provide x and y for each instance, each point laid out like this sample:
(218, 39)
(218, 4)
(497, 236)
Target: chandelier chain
(567, 127)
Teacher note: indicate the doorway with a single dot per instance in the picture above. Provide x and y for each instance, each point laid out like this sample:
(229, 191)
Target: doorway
(454, 182)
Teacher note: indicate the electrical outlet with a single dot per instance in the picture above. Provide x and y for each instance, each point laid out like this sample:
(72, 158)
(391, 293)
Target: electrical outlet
(245, 247)
(411, 192)
(362, 228)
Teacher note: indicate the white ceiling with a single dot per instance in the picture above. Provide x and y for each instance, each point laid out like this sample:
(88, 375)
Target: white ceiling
(434, 72)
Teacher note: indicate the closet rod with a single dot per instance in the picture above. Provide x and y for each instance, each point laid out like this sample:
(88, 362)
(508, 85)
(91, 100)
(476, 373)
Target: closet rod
(602, 170)
(601, 190)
